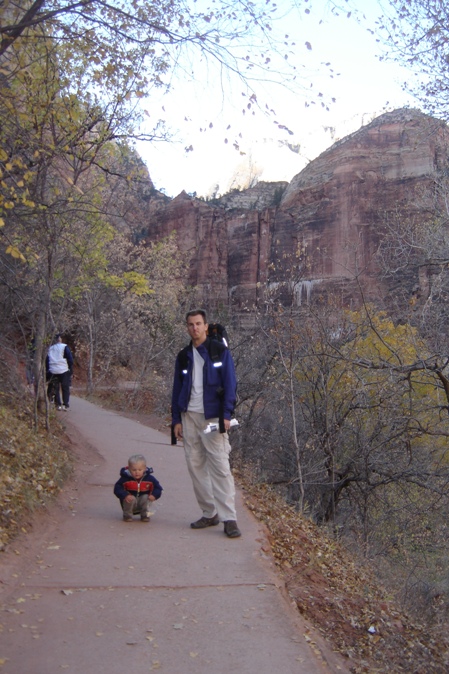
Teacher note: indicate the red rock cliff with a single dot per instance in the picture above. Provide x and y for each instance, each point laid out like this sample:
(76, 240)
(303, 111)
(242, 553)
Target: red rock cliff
(321, 230)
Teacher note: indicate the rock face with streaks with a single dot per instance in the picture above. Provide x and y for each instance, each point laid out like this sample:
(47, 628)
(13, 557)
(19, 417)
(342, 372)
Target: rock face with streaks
(319, 233)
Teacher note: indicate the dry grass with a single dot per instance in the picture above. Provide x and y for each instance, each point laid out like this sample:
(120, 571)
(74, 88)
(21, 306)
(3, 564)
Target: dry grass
(342, 598)
(34, 465)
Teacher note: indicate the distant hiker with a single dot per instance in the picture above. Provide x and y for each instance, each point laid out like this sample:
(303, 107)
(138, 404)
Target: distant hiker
(59, 367)
(137, 488)
(204, 390)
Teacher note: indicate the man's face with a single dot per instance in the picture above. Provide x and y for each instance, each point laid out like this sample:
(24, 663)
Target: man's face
(197, 329)
(137, 470)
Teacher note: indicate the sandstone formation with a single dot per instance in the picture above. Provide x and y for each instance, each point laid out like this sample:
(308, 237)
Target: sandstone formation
(321, 232)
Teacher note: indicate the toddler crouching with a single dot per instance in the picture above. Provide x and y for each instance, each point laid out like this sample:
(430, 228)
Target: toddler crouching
(137, 488)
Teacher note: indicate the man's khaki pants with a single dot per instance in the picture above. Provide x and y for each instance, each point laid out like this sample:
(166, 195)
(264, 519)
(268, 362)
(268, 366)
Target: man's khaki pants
(207, 457)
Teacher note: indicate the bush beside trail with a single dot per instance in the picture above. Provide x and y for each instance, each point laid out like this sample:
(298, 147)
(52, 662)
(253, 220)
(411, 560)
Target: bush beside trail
(35, 465)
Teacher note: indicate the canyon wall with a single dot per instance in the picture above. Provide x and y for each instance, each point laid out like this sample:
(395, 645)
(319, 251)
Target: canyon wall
(319, 233)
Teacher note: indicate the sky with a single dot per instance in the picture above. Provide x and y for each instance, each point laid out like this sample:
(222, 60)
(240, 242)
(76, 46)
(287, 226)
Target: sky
(199, 114)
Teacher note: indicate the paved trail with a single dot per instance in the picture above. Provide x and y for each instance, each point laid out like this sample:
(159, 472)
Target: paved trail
(87, 592)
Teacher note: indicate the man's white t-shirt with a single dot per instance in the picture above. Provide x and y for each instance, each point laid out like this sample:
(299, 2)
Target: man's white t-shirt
(196, 403)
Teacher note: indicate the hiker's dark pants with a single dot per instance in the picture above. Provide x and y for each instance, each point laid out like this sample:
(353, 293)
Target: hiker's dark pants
(56, 382)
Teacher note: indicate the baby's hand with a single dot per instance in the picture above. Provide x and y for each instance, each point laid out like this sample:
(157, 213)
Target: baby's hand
(151, 497)
(129, 498)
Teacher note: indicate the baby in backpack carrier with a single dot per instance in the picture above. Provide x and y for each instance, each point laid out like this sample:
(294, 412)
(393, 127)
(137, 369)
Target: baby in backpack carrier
(137, 488)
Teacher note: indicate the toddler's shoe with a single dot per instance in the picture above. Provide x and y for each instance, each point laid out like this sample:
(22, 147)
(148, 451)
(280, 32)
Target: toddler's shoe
(145, 518)
(127, 518)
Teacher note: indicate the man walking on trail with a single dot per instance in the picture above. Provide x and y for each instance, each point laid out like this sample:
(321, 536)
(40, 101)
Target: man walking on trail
(59, 367)
(203, 390)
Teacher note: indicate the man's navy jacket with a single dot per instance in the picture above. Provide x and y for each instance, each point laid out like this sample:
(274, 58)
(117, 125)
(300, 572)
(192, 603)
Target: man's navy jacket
(217, 376)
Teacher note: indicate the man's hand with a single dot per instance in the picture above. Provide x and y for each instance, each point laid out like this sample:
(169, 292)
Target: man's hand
(227, 424)
(177, 430)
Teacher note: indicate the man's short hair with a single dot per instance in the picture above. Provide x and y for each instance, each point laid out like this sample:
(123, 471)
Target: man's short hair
(196, 312)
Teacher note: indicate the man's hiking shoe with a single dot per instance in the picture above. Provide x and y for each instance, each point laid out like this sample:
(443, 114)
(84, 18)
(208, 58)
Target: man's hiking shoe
(145, 518)
(204, 522)
(231, 529)
(127, 518)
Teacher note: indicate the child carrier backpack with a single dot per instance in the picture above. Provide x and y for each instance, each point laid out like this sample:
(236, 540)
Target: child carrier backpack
(217, 333)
